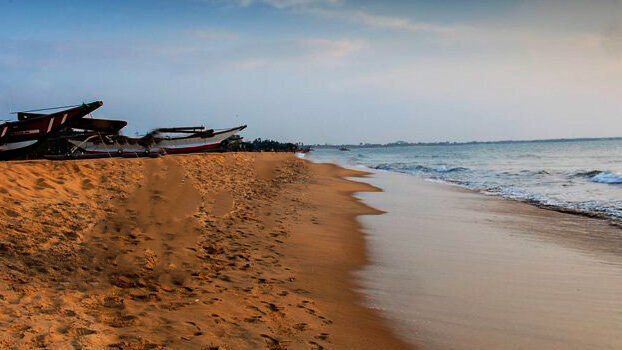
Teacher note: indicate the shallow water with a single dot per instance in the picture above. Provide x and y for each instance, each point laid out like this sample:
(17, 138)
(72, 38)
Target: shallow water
(453, 269)
(576, 175)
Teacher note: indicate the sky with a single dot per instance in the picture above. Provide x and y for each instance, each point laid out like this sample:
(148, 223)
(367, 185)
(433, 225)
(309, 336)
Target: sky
(324, 71)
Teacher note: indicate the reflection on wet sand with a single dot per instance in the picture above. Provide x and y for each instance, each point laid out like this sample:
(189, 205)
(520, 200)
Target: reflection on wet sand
(458, 270)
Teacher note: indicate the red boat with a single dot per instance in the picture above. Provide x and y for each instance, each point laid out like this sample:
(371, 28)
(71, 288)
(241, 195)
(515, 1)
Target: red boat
(17, 138)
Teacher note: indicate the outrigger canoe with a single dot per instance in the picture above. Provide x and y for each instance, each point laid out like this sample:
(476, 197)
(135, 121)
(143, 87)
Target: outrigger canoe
(159, 141)
(19, 137)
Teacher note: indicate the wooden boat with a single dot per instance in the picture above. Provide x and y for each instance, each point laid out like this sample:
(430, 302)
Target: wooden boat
(102, 126)
(159, 141)
(19, 137)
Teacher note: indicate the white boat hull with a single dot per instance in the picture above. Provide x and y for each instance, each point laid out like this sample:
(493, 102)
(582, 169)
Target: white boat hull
(16, 145)
(164, 145)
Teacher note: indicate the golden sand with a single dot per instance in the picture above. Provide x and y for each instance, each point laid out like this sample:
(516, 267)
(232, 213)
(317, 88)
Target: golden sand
(232, 251)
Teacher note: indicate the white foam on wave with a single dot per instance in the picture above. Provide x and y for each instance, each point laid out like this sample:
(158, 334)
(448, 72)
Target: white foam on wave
(415, 168)
(607, 178)
(566, 189)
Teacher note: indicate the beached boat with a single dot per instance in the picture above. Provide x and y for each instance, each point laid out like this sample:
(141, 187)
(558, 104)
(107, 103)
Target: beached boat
(19, 137)
(159, 141)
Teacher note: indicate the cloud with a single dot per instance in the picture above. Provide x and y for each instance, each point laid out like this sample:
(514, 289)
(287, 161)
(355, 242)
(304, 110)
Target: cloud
(212, 34)
(249, 64)
(324, 48)
(282, 4)
(612, 39)
(192, 54)
(296, 52)
(335, 9)
(390, 22)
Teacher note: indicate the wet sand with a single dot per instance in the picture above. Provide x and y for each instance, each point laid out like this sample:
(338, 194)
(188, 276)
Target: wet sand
(454, 269)
(233, 251)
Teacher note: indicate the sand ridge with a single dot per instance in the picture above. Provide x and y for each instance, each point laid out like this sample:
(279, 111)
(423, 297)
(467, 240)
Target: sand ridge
(184, 252)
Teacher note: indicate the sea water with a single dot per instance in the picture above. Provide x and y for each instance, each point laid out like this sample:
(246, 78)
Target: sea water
(460, 270)
(582, 176)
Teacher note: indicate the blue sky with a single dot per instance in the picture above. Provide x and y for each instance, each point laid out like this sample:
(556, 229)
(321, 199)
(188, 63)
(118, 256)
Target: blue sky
(324, 70)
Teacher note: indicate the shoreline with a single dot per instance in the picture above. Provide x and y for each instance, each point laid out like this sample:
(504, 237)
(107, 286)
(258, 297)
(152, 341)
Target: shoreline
(218, 251)
(349, 254)
(611, 220)
(475, 271)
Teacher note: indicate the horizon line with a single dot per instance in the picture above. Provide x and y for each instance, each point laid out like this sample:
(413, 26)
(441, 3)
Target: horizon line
(409, 143)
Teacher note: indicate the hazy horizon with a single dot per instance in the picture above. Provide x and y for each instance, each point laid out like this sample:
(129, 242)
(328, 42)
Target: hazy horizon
(471, 141)
(325, 71)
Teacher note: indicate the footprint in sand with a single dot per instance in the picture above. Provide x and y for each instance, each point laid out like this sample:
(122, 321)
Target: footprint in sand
(80, 332)
(87, 185)
(11, 213)
(322, 336)
(42, 184)
(316, 345)
(223, 203)
(253, 319)
(265, 169)
(300, 326)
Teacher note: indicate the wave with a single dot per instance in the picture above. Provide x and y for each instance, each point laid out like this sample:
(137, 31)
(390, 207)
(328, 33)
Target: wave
(589, 173)
(590, 208)
(600, 176)
(588, 182)
(409, 168)
(504, 184)
(606, 177)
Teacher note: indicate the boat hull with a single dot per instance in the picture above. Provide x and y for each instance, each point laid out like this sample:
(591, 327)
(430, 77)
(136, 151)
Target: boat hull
(18, 138)
(161, 145)
(14, 150)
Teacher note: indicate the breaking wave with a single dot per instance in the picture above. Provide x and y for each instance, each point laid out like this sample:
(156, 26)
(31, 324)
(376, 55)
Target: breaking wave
(606, 177)
(409, 168)
(599, 176)
(502, 184)
(585, 177)
(589, 174)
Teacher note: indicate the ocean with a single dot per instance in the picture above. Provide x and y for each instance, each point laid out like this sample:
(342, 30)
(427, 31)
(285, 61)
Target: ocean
(583, 176)
(455, 269)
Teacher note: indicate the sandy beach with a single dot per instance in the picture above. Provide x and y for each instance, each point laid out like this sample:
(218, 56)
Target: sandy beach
(211, 251)
(311, 174)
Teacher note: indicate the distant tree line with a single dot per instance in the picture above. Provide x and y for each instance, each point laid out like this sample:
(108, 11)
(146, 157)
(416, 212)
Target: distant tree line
(261, 145)
(447, 143)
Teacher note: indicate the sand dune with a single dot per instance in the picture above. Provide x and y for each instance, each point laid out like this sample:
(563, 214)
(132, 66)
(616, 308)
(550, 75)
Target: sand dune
(230, 251)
